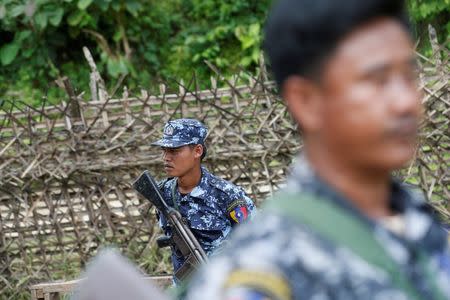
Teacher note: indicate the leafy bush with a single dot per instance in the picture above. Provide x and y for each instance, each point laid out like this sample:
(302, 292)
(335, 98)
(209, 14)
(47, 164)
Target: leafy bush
(145, 40)
(433, 12)
(148, 41)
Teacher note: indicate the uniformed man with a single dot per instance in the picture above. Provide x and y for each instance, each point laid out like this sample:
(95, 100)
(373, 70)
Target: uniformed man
(212, 206)
(342, 228)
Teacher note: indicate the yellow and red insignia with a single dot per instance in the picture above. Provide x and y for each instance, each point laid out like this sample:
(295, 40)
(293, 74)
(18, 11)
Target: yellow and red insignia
(239, 214)
(238, 211)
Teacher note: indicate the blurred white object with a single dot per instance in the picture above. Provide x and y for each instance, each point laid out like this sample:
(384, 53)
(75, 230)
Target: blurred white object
(110, 276)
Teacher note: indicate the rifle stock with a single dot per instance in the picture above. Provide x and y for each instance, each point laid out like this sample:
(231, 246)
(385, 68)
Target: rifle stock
(148, 188)
(182, 237)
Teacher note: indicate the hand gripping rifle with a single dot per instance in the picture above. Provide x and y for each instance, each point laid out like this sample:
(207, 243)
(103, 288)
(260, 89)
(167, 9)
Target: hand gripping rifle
(182, 237)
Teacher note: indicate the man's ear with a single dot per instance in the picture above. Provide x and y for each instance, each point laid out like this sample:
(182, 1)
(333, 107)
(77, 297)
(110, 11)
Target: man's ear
(304, 102)
(198, 151)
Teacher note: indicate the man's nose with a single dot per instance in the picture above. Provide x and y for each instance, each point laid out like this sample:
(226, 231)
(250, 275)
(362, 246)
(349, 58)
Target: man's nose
(405, 96)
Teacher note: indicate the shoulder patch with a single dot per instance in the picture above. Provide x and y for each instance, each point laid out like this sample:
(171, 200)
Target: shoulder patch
(236, 203)
(262, 283)
(238, 211)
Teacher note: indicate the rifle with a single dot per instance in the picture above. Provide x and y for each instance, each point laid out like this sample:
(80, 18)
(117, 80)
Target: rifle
(182, 237)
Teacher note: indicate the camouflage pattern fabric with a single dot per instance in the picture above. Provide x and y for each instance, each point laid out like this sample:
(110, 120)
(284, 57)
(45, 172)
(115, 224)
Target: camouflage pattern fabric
(276, 257)
(182, 132)
(211, 209)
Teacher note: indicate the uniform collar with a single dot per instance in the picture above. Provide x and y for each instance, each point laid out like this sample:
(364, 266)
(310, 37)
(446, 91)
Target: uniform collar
(403, 200)
(201, 190)
(304, 178)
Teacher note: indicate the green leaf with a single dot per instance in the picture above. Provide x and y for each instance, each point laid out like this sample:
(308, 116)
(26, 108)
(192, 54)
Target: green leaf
(103, 4)
(254, 29)
(8, 53)
(151, 57)
(246, 61)
(22, 35)
(117, 36)
(116, 6)
(28, 52)
(133, 7)
(41, 2)
(17, 10)
(2, 11)
(75, 18)
(56, 16)
(83, 4)
(255, 54)
(116, 67)
(247, 42)
(41, 19)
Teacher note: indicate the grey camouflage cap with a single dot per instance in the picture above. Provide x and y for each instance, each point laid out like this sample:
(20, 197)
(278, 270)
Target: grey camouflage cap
(182, 132)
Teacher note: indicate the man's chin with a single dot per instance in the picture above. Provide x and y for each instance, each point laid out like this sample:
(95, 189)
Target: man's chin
(395, 160)
(170, 172)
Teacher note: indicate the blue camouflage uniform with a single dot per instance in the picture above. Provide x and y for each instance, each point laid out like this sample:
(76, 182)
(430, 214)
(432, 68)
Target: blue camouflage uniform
(279, 256)
(213, 207)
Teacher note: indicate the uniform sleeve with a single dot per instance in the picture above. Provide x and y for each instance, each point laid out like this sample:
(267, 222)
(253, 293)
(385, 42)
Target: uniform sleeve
(240, 208)
(239, 284)
(442, 259)
(247, 269)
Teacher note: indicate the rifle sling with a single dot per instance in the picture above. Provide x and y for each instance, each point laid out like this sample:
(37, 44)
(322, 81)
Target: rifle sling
(173, 194)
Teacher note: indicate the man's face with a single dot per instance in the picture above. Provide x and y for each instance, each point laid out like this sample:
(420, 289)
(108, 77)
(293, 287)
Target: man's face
(180, 161)
(371, 104)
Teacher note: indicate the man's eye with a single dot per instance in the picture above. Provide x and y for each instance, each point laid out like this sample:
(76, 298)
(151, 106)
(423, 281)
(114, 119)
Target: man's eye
(379, 78)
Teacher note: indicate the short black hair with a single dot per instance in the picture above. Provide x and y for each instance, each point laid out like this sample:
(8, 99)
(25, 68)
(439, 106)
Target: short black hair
(301, 34)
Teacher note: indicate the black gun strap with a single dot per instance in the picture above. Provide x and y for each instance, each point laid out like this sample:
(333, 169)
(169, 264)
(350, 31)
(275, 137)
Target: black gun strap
(173, 193)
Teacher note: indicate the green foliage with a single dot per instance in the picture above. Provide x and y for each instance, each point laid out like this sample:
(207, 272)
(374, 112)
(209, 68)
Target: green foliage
(433, 12)
(148, 41)
(8, 52)
(225, 33)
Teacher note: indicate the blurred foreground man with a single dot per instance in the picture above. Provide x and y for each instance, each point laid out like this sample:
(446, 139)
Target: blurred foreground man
(343, 228)
(210, 205)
